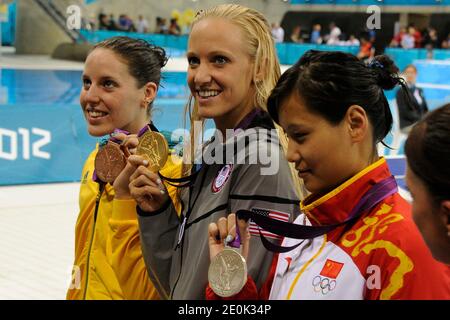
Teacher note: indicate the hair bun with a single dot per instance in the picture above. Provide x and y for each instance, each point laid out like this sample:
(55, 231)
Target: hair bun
(161, 55)
(386, 72)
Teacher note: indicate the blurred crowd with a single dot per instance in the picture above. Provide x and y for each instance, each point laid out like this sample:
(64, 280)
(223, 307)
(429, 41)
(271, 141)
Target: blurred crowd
(125, 23)
(411, 37)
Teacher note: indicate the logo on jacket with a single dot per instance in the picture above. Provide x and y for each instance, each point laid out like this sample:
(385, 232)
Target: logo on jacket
(326, 281)
(84, 180)
(221, 178)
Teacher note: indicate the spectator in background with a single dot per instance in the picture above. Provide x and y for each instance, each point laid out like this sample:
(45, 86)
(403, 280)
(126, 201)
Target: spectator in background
(408, 40)
(430, 39)
(335, 33)
(277, 33)
(316, 38)
(417, 36)
(446, 43)
(365, 49)
(126, 24)
(142, 25)
(372, 35)
(397, 40)
(174, 28)
(411, 104)
(158, 24)
(352, 41)
(112, 23)
(161, 26)
(296, 35)
(103, 22)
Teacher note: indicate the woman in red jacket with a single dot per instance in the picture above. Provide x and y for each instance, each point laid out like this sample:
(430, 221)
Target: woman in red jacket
(356, 238)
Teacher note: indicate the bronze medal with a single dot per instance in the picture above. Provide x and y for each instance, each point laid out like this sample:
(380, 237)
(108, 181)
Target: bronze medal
(154, 148)
(109, 162)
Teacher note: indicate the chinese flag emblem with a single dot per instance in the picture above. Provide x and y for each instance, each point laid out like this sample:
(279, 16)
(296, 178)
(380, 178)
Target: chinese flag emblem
(331, 269)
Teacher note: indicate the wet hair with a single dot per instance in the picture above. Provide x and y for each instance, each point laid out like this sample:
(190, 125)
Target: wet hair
(331, 82)
(144, 60)
(428, 152)
(260, 46)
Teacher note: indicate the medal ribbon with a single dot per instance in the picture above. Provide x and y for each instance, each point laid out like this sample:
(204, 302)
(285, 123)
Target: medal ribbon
(370, 199)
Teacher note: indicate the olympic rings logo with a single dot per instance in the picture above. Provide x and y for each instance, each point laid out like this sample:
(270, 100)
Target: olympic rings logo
(324, 285)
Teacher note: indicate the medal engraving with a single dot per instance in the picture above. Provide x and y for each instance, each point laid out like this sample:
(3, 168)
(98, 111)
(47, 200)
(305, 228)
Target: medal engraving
(153, 147)
(227, 273)
(109, 162)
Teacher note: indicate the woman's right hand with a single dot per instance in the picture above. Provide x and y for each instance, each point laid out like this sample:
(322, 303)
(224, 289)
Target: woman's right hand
(225, 227)
(146, 188)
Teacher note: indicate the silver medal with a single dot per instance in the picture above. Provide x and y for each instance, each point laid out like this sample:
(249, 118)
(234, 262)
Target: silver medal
(227, 273)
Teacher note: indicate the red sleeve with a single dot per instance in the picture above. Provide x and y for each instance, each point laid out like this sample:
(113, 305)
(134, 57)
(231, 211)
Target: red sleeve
(407, 269)
(249, 291)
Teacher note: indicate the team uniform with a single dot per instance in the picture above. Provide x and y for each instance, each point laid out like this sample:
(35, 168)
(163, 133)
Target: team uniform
(381, 256)
(108, 257)
(176, 248)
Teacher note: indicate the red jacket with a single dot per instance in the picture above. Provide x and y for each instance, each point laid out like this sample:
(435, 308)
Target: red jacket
(382, 256)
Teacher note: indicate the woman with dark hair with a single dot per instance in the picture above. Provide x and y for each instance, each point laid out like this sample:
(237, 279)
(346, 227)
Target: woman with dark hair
(355, 238)
(120, 81)
(428, 178)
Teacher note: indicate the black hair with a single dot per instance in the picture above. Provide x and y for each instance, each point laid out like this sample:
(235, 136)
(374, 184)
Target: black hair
(330, 82)
(428, 152)
(144, 59)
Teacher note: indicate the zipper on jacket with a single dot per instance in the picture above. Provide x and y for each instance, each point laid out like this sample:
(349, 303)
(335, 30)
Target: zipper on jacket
(97, 205)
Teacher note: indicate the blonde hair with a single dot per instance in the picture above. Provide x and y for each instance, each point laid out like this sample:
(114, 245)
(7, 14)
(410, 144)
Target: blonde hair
(261, 49)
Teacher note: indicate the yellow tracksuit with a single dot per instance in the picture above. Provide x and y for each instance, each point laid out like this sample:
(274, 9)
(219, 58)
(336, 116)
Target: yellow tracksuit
(108, 257)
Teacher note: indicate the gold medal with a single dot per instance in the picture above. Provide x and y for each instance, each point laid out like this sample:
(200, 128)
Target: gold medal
(227, 273)
(109, 162)
(154, 148)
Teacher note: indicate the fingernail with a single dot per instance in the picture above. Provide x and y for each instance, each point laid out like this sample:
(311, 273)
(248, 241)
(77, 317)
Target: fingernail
(162, 191)
(145, 162)
(229, 238)
(159, 181)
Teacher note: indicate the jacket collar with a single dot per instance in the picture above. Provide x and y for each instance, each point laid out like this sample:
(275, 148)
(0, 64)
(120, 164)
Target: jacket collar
(335, 206)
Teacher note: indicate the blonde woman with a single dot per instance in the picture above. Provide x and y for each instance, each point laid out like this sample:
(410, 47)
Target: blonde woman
(232, 69)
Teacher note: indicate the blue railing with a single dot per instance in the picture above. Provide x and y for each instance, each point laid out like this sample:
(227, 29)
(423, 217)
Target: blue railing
(375, 2)
(175, 45)
(403, 57)
(288, 53)
(8, 27)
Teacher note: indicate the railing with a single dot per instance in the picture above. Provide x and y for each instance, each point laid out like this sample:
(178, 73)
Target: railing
(8, 23)
(371, 2)
(60, 19)
(403, 57)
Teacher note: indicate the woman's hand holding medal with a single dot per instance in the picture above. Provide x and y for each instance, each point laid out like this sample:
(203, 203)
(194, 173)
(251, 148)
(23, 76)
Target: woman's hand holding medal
(145, 184)
(131, 162)
(228, 252)
(128, 143)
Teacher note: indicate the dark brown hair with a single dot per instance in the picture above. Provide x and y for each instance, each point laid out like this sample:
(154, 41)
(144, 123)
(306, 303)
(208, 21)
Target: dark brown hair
(330, 82)
(144, 60)
(428, 151)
